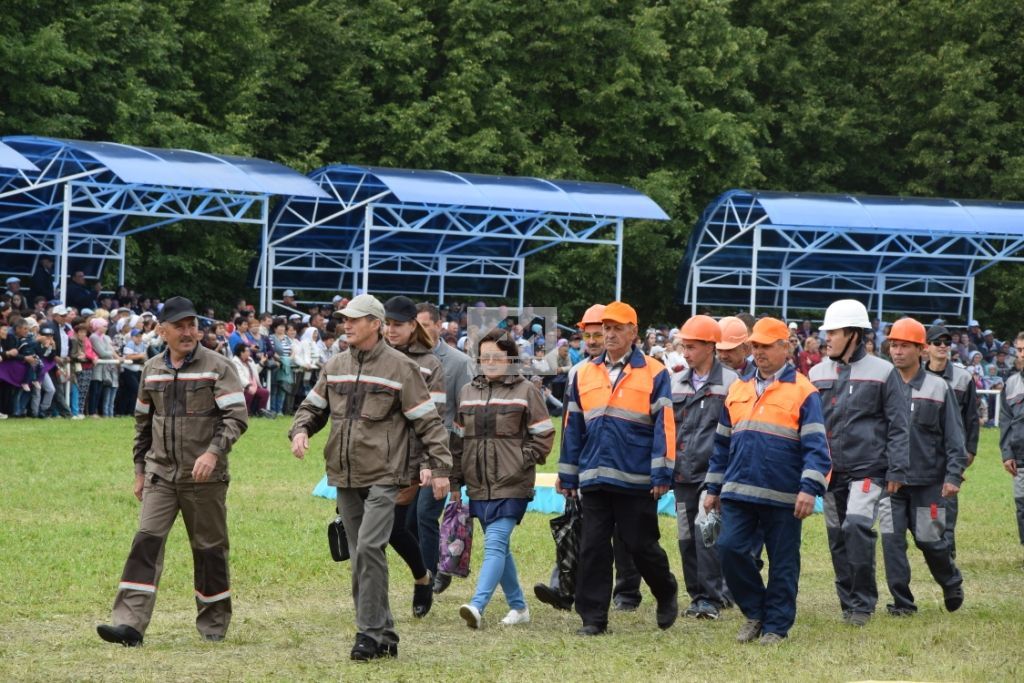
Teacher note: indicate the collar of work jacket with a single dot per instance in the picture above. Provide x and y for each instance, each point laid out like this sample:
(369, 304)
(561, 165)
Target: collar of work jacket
(633, 358)
(481, 381)
(714, 378)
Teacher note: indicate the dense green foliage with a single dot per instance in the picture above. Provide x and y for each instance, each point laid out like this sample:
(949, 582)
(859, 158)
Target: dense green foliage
(679, 98)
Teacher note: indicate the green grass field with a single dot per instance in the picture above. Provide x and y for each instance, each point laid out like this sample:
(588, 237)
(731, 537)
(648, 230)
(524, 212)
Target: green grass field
(67, 518)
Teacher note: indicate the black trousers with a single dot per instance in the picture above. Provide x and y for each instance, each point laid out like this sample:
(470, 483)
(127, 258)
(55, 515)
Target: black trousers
(637, 518)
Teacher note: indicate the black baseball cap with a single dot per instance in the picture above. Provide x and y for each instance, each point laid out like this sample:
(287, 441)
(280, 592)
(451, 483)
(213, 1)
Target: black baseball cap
(177, 308)
(401, 309)
(936, 332)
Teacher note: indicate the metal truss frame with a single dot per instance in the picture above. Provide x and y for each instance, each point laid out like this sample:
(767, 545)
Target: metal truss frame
(735, 247)
(363, 227)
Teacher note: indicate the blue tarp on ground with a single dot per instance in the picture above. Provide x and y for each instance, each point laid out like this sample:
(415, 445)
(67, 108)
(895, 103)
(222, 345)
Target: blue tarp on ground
(545, 499)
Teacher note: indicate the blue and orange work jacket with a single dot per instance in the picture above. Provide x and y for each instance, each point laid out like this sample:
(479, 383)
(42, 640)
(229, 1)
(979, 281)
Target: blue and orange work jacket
(771, 447)
(620, 435)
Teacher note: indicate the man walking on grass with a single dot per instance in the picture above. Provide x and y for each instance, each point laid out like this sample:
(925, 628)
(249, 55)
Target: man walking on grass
(189, 413)
(937, 462)
(770, 461)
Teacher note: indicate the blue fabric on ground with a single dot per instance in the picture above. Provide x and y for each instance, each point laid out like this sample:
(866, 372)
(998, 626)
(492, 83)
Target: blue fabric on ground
(544, 500)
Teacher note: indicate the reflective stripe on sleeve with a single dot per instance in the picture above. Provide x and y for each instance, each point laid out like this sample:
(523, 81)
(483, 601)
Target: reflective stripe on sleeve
(458, 429)
(141, 407)
(722, 430)
(714, 478)
(566, 468)
(419, 411)
(812, 428)
(815, 475)
(316, 400)
(233, 399)
(542, 427)
(439, 398)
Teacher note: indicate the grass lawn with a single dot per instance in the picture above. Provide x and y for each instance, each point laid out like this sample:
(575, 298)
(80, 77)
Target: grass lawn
(67, 518)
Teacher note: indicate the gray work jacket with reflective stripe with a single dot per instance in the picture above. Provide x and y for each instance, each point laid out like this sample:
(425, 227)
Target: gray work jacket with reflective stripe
(696, 414)
(867, 411)
(1011, 419)
(962, 384)
(937, 453)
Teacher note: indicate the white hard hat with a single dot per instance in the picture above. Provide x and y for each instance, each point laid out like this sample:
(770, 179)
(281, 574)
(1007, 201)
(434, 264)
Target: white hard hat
(846, 313)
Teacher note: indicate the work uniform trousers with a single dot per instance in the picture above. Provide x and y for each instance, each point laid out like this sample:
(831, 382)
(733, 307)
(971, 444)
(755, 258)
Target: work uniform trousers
(626, 592)
(851, 510)
(203, 509)
(368, 515)
(702, 571)
(1018, 499)
(952, 512)
(637, 516)
(922, 510)
(744, 527)
(422, 521)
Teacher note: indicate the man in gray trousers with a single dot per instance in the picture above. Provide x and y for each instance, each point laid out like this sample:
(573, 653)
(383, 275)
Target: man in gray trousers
(376, 399)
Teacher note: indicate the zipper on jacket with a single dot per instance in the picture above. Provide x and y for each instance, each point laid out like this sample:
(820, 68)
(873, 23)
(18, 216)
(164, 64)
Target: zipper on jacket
(481, 464)
(174, 406)
(348, 426)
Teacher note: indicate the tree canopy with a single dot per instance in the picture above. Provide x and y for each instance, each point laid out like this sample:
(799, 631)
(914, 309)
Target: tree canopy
(679, 98)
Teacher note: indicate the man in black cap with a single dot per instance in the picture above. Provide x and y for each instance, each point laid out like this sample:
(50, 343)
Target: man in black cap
(937, 362)
(189, 412)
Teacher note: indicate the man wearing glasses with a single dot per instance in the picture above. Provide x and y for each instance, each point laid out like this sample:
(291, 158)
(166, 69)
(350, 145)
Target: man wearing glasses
(960, 381)
(626, 594)
(1011, 432)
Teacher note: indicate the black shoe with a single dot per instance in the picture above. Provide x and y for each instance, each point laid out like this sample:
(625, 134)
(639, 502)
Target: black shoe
(895, 611)
(422, 598)
(125, 635)
(441, 582)
(387, 650)
(366, 648)
(550, 596)
(707, 610)
(693, 610)
(667, 611)
(953, 597)
(591, 630)
(623, 605)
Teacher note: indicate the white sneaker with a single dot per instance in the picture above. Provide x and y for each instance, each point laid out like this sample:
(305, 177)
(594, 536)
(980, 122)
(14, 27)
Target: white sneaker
(3, 416)
(471, 615)
(517, 616)
(78, 417)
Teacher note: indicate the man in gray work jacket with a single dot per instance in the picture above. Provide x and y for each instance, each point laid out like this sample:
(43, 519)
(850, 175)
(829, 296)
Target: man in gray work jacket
(961, 382)
(937, 462)
(866, 410)
(1011, 433)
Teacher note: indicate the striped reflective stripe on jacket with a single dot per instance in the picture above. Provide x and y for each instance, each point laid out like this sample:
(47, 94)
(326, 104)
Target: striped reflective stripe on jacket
(621, 435)
(770, 448)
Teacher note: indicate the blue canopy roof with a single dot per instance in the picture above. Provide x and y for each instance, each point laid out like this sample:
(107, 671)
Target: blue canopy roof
(443, 214)
(11, 159)
(516, 193)
(902, 254)
(181, 168)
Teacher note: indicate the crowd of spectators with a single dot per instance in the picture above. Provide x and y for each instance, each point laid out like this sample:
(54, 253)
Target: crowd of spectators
(97, 342)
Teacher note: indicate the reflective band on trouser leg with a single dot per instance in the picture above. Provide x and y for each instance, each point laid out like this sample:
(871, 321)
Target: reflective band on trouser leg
(860, 540)
(213, 595)
(136, 593)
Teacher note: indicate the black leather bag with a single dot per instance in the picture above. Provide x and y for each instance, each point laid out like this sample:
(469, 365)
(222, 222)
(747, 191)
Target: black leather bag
(337, 540)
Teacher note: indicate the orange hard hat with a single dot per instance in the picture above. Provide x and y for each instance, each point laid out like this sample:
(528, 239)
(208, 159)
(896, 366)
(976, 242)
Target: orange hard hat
(701, 328)
(592, 316)
(619, 312)
(908, 330)
(769, 331)
(734, 333)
